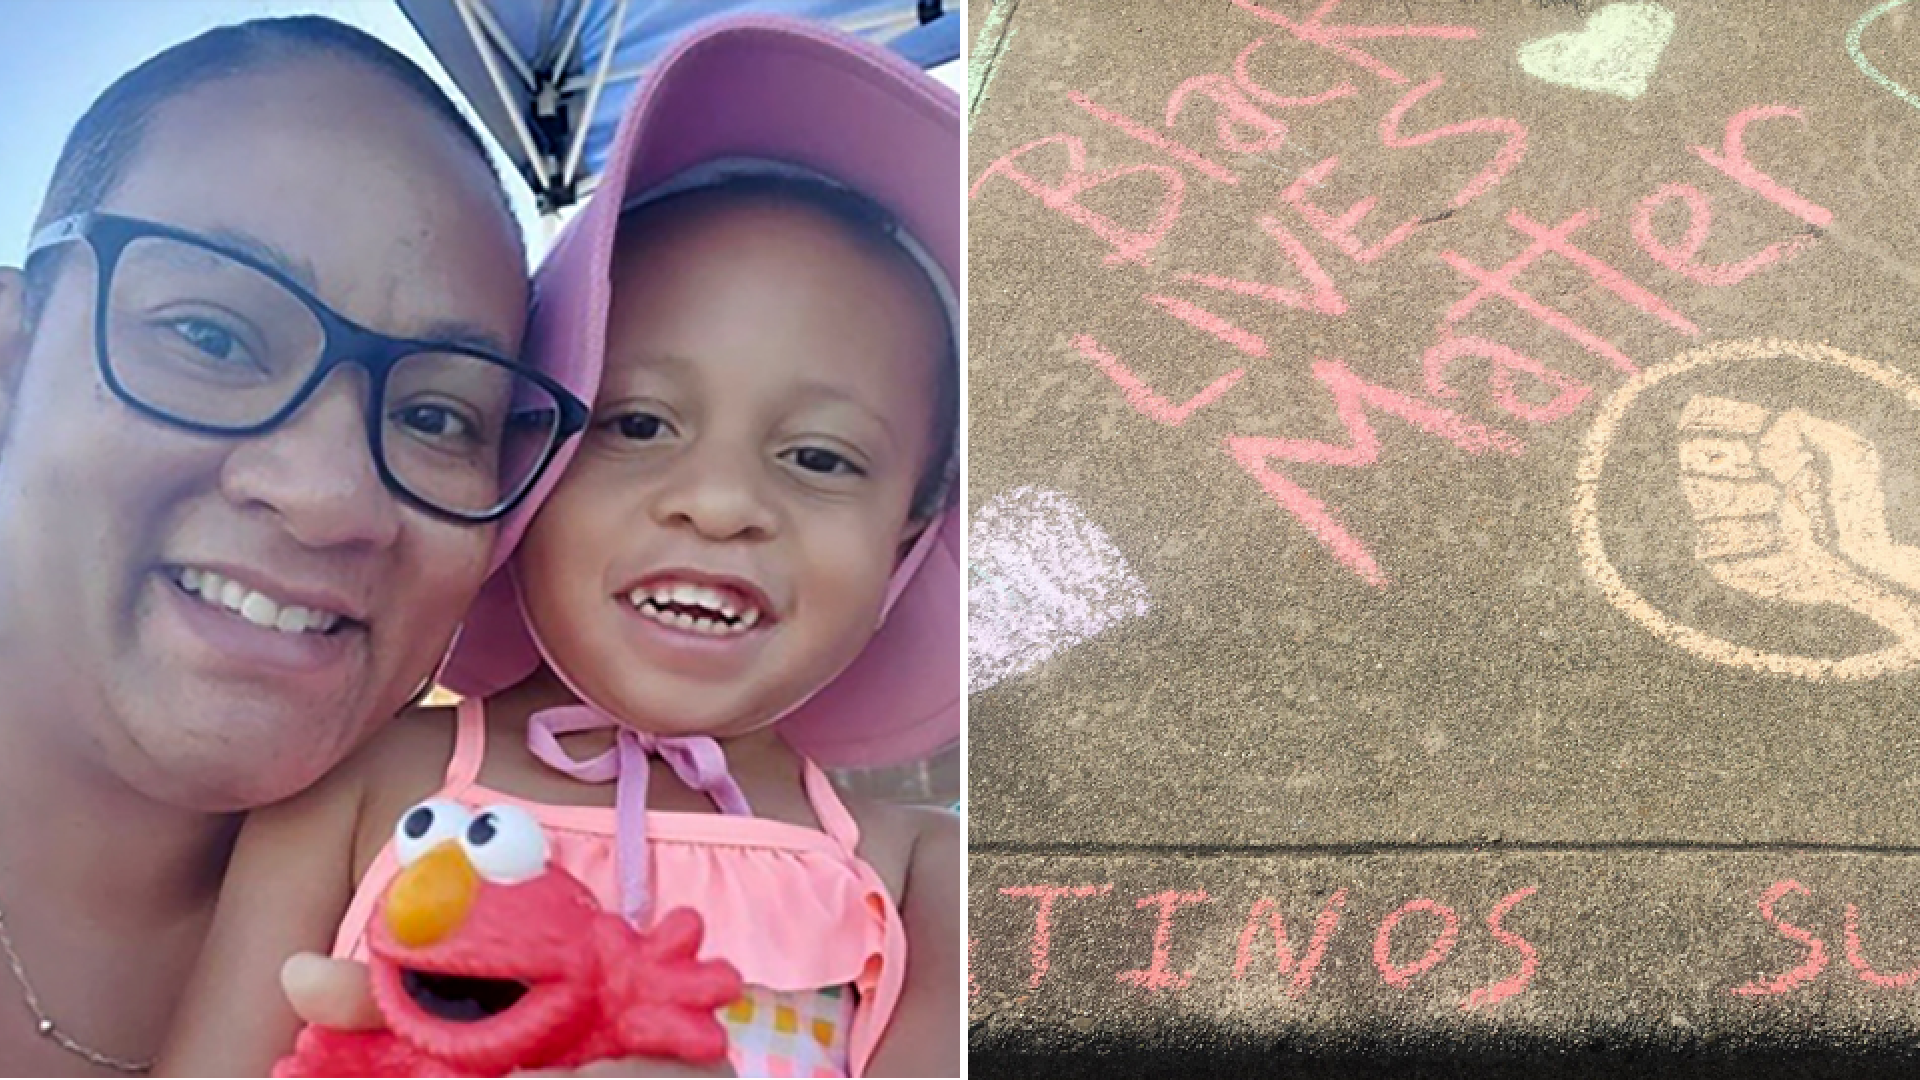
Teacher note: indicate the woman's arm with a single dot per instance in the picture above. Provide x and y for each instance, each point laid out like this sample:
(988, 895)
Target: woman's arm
(923, 1039)
(287, 886)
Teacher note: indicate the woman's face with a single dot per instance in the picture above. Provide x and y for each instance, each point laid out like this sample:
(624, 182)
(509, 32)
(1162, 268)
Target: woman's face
(334, 172)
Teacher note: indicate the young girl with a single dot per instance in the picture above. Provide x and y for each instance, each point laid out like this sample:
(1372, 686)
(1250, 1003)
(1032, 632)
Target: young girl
(746, 570)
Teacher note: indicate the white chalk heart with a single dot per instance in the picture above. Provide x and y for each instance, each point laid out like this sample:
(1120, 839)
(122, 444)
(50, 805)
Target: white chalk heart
(1614, 53)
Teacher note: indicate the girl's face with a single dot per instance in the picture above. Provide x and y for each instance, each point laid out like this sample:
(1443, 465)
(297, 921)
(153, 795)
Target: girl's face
(721, 544)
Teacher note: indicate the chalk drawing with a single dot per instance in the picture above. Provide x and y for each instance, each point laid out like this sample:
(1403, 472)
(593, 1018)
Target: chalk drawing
(1338, 230)
(1156, 975)
(1129, 245)
(1615, 53)
(1858, 958)
(1195, 316)
(1860, 58)
(1506, 363)
(1767, 523)
(1352, 397)
(1684, 259)
(989, 45)
(1403, 975)
(1808, 969)
(1315, 31)
(1504, 160)
(1264, 133)
(1044, 578)
(1141, 396)
(1324, 298)
(1045, 895)
(1245, 80)
(1732, 160)
(1298, 969)
(1529, 956)
(1166, 144)
(1557, 240)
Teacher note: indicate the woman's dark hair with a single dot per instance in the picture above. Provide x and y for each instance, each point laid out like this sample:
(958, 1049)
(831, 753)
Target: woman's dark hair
(103, 144)
(877, 229)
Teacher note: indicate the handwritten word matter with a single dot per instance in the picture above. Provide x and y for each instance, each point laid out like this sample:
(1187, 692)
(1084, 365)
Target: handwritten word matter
(1250, 116)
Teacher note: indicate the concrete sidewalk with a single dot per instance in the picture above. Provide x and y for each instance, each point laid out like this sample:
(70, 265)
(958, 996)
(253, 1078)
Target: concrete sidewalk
(1445, 483)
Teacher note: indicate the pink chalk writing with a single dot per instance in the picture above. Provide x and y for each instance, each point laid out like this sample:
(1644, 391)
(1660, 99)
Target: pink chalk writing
(1500, 283)
(1324, 298)
(1129, 245)
(1043, 917)
(1156, 975)
(1299, 969)
(1245, 80)
(1236, 113)
(1504, 160)
(1402, 976)
(1314, 30)
(1200, 318)
(1142, 397)
(1338, 230)
(1858, 958)
(1684, 259)
(1506, 363)
(1164, 144)
(1352, 397)
(1813, 965)
(1495, 993)
(1732, 160)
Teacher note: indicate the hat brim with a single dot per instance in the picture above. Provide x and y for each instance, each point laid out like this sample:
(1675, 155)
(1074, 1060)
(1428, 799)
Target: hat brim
(779, 90)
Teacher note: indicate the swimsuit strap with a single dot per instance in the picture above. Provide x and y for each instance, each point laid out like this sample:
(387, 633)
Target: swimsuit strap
(469, 745)
(833, 815)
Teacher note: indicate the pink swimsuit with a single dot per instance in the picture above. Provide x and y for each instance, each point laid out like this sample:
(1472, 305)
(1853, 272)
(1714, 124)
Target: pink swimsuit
(798, 911)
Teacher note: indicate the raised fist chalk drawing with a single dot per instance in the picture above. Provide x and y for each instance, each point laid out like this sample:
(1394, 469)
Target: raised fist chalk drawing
(1788, 506)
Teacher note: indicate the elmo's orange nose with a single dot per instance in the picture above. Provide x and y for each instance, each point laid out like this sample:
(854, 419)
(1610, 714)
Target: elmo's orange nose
(429, 899)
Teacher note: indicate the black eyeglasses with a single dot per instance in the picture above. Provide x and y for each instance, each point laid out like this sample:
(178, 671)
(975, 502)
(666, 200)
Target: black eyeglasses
(193, 333)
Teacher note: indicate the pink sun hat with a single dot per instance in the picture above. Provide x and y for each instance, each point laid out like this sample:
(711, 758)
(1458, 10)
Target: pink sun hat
(788, 95)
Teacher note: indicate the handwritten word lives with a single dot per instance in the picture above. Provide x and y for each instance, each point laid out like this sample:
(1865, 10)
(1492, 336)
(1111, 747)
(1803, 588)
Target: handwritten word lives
(1321, 245)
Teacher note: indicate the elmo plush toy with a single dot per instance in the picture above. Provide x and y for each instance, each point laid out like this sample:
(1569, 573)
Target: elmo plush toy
(486, 960)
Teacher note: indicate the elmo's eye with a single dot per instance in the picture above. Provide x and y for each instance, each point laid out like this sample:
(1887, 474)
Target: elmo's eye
(427, 826)
(506, 845)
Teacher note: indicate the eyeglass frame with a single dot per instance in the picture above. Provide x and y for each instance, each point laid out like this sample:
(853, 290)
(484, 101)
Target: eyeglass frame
(343, 341)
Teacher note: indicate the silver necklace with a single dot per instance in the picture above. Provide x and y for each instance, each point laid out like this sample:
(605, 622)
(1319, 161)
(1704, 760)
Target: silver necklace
(47, 1028)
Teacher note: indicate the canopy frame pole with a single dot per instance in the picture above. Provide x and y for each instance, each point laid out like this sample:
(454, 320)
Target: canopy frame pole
(579, 140)
(538, 161)
(504, 44)
(584, 82)
(571, 42)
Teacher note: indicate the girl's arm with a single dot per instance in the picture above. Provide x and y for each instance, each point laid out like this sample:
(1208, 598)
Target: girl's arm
(923, 1038)
(287, 887)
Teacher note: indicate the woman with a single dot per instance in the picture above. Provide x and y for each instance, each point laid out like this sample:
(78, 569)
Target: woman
(218, 575)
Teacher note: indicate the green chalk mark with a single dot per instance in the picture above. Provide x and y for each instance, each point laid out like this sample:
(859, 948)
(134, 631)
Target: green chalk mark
(1860, 58)
(1615, 53)
(984, 59)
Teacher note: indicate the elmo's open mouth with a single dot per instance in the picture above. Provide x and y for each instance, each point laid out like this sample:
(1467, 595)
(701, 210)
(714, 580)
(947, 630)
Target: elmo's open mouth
(462, 999)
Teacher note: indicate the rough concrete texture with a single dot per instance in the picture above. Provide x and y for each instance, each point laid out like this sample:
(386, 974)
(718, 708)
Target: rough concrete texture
(1308, 572)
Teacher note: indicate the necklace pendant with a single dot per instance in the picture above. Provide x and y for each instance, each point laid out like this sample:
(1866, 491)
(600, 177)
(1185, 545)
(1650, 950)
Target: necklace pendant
(45, 1027)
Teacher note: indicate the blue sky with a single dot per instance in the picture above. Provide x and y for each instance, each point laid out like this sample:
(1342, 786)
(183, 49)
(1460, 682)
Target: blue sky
(59, 54)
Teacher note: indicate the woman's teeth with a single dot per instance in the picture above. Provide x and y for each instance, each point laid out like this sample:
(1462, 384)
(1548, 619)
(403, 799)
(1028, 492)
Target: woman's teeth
(257, 608)
(695, 608)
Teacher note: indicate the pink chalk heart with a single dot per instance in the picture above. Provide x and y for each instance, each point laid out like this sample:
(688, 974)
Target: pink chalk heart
(1615, 53)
